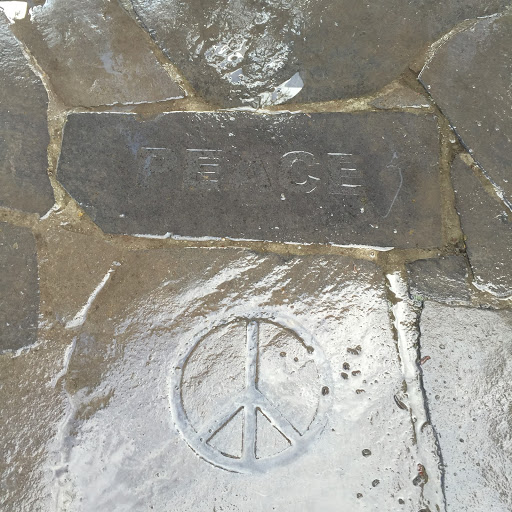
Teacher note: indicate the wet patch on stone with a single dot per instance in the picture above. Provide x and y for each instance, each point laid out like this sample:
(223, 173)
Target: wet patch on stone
(468, 386)
(367, 178)
(469, 78)
(19, 288)
(94, 54)
(24, 183)
(178, 375)
(441, 279)
(247, 52)
(487, 225)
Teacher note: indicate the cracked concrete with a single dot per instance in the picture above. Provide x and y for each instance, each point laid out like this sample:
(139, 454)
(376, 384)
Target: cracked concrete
(116, 348)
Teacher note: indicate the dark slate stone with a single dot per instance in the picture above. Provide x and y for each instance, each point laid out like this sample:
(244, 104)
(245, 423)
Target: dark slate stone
(487, 224)
(363, 178)
(233, 51)
(24, 183)
(470, 78)
(441, 279)
(19, 288)
(95, 54)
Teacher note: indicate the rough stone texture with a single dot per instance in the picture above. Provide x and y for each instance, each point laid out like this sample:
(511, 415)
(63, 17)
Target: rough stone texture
(240, 52)
(24, 183)
(442, 279)
(469, 78)
(343, 178)
(468, 387)
(168, 346)
(19, 288)
(94, 54)
(486, 222)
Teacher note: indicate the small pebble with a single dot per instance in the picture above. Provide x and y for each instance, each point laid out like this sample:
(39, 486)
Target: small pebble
(366, 452)
(375, 483)
(346, 366)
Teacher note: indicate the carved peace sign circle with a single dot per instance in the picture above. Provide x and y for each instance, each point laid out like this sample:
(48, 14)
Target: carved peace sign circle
(251, 393)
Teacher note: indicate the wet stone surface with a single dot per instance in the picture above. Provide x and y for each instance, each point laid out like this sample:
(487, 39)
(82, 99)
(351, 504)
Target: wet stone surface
(468, 386)
(223, 367)
(486, 222)
(19, 288)
(469, 78)
(366, 178)
(442, 279)
(250, 52)
(24, 183)
(94, 54)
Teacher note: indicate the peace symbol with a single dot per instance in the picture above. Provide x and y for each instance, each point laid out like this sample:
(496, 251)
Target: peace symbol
(252, 404)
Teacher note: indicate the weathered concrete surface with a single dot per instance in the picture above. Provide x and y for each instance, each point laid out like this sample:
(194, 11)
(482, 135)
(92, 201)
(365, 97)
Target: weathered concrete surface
(400, 97)
(245, 52)
(468, 386)
(365, 178)
(24, 183)
(19, 288)
(486, 223)
(469, 78)
(169, 343)
(442, 279)
(94, 54)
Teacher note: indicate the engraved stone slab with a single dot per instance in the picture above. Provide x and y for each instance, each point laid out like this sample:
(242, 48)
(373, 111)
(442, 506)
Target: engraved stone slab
(468, 386)
(441, 279)
(487, 224)
(367, 178)
(19, 289)
(469, 78)
(24, 183)
(247, 52)
(94, 54)
(245, 377)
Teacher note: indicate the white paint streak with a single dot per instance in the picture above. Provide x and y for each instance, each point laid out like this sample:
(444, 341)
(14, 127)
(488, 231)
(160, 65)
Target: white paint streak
(80, 317)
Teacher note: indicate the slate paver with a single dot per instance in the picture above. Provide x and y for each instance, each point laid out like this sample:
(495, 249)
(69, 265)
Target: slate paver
(368, 178)
(469, 78)
(94, 54)
(180, 343)
(467, 383)
(24, 183)
(486, 223)
(442, 279)
(19, 288)
(237, 53)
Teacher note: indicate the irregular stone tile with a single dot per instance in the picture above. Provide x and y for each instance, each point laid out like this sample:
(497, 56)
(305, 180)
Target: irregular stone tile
(365, 178)
(19, 288)
(401, 97)
(442, 279)
(94, 54)
(24, 183)
(180, 343)
(248, 52)
(486, 222)
(469, 78)
(468, 386)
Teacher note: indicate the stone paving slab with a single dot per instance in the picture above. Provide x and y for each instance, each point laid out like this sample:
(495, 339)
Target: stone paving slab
(251, 53)
(24, 183)
(469, 78)
(180, 345)
(468, 387)
(486, 223)
(442, 279)
(366, 178)
(19, 288)
(94, 54)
